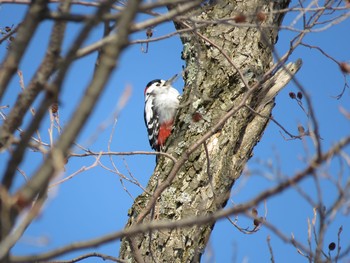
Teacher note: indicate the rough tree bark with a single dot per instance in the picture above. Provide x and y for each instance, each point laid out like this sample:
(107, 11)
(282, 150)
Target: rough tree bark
(226, 67)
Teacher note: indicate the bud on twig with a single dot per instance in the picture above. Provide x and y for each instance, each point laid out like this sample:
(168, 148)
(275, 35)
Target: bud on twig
(292, 95)
(300, 95)
(261, 16)
(240, 18)
(344, 67)
(331, 246)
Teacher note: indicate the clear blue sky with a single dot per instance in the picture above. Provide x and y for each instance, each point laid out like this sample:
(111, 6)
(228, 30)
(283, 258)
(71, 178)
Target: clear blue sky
(94, 202)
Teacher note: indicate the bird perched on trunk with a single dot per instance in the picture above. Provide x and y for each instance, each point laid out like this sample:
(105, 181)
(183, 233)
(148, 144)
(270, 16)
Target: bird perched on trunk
(161, 104)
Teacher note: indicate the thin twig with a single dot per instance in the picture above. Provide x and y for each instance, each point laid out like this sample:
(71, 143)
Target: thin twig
(193, 220)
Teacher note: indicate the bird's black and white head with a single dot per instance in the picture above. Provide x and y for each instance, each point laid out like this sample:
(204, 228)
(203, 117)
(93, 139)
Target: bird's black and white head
(158, 86)
(152, 86)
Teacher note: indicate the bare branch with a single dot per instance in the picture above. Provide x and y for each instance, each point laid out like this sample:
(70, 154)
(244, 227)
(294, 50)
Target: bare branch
(19, 45)
(192, 220)
(40, 180)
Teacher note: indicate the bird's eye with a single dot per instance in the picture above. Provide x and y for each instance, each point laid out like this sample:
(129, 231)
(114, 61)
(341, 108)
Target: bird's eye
(158, 84)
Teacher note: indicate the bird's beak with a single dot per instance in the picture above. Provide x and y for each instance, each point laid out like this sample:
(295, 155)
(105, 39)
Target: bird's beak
(171, 80)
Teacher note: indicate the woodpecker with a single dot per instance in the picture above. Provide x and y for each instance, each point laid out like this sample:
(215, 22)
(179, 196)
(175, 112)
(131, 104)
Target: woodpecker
(161, 104)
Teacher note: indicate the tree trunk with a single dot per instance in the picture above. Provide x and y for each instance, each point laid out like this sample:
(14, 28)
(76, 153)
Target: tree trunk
(224, 60)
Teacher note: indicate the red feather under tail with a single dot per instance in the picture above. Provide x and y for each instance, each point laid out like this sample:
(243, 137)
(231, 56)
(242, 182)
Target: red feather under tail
(164, 132)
